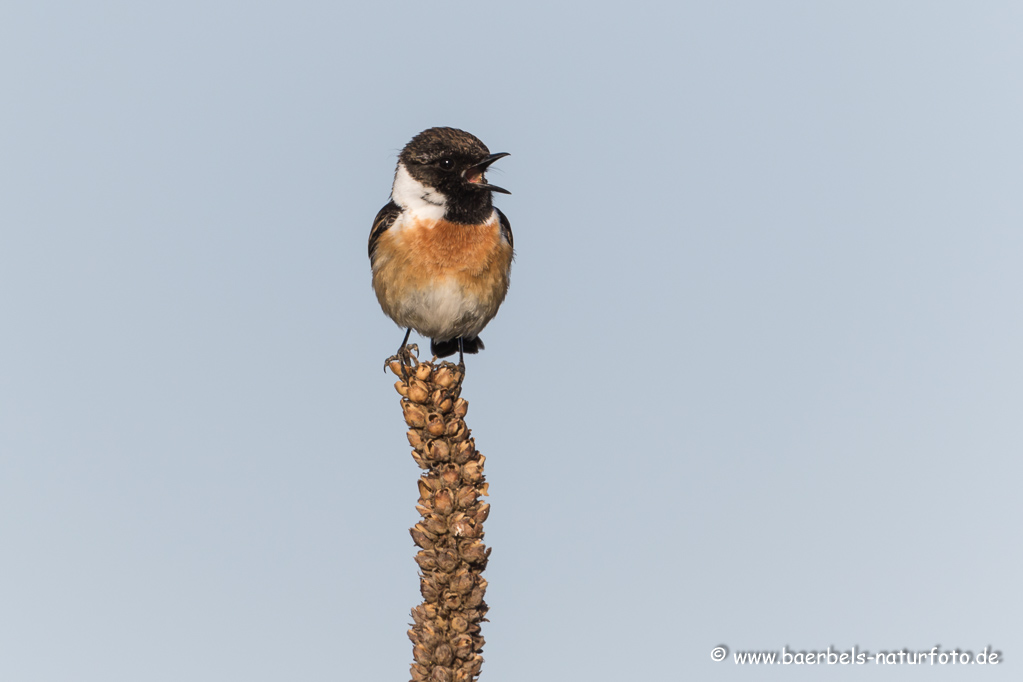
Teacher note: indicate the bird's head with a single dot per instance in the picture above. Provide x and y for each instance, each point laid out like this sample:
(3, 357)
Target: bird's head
(446, 167)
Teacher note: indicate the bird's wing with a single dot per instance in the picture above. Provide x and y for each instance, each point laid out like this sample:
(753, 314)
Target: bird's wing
(385, 218)
(505, 228)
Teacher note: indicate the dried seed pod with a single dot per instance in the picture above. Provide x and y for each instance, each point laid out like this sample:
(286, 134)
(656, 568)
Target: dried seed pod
(462, 583)
(430, 590)
(461, 408)
(465, 497)
(444, 377)
(482, 513)
(450, 474)
(464, 451)
(423, 371)
(402, 388)
(438, 525)
(422, 529)
(475, 616)
(443, 655)
(430, 637)
(421, 537)
(439, 451)
(463, 645)
(424, 613)
(395, 367)
(473, 552)
(474, 666)
(461, 526)
(471, 472)
(427, 560)
(460, 434)
(414, 439)
(415, 416)
(447, 561)
(443, 502)
(435, 425)
(475, 598)
(417, 392)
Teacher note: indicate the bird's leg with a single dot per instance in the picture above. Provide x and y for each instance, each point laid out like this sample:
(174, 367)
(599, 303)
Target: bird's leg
(405, 340)
(404, 354)
(461, 356)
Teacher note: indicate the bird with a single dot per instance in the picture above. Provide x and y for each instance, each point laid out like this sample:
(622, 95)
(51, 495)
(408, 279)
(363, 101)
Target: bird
(439, 250)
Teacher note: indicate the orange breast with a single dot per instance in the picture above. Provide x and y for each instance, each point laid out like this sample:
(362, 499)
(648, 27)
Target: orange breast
(444, 247)
(418, 255)
(427, 250)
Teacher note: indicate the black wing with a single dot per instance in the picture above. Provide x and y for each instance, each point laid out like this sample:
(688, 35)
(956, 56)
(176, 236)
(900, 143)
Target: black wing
(506, 228)
(388, 214)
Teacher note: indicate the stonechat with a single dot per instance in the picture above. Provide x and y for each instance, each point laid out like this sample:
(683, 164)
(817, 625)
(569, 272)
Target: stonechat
(440, 251)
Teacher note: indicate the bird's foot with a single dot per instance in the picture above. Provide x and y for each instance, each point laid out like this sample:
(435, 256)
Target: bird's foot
(404, 362)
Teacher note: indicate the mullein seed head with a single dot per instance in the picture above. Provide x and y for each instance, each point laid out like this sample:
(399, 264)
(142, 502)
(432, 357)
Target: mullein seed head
(446, 626)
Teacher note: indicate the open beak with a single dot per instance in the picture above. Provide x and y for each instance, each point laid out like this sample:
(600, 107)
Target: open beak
(474, 174)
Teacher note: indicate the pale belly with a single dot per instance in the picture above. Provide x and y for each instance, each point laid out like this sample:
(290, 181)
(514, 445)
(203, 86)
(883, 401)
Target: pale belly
(443, 310)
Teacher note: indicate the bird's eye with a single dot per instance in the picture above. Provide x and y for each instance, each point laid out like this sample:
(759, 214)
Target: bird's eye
(446, 164)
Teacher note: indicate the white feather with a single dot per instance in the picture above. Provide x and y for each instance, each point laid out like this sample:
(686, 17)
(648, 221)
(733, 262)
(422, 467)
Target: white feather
(417, 200)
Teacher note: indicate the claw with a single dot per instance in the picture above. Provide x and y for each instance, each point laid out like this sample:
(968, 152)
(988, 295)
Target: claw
(405, 359)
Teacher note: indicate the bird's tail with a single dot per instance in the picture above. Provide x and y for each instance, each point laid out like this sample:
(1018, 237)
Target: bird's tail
(442, 349)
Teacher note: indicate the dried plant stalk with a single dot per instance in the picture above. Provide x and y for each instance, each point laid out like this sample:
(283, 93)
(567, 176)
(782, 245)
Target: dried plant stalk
(445, 634)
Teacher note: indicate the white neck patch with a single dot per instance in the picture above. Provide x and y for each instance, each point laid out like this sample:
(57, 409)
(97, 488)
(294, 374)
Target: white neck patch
(416, 198)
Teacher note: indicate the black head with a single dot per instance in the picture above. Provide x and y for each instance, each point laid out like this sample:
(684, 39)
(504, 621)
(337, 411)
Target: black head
(453, 162)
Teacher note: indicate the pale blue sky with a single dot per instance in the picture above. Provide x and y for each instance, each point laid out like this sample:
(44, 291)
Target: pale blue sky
(757, 381)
